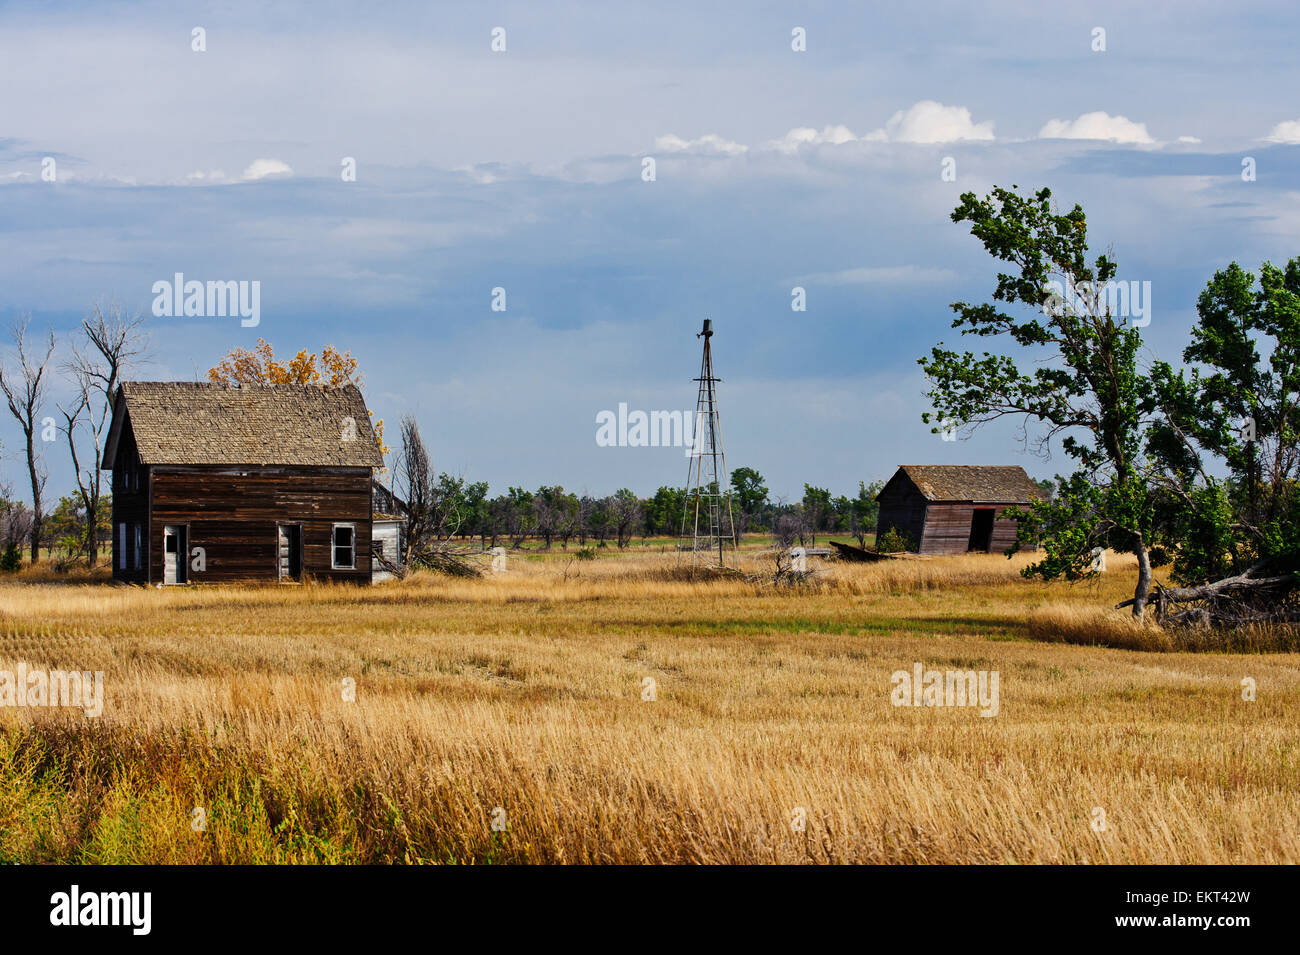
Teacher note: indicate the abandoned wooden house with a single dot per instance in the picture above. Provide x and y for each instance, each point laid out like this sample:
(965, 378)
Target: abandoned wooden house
(216, 483)
(954, 508)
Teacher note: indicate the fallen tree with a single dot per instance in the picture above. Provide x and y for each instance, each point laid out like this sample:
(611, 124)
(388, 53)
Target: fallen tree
(447, 560)
(1254, 597)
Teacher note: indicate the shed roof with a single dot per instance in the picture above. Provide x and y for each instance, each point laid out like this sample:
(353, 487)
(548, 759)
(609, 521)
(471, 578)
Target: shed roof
(1002, 483)
(182, 422)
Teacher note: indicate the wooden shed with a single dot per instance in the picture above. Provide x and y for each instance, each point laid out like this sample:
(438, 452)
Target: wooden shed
(954, 508)
(216, 483)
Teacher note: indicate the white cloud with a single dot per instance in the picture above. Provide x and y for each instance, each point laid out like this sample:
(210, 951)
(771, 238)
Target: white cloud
(1097, 125)
(931, 122)
(1285, 132)
(806, 135)
(261, 168)
(923, 122)
(882, 275)
(212, 175)
(1189, 139)
(708, 144)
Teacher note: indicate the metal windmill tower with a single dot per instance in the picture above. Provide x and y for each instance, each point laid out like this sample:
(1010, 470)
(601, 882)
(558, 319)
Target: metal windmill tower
(707, 525)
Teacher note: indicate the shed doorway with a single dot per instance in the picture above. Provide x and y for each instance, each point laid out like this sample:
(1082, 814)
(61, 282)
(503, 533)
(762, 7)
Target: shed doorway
(981, 529)
(174, 551)
(289, 552)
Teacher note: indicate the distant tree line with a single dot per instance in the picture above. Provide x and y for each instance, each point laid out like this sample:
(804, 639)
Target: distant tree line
(442, 507)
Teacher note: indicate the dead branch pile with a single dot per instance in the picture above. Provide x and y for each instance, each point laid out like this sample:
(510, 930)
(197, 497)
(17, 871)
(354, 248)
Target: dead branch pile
(1257, 596)
(445, 560)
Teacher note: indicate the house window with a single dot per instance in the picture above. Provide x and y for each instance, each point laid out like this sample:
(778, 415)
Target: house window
(345, 547)
(121, 547)
(139, 545)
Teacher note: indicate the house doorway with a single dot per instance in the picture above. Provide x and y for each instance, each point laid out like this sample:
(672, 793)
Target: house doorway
(174, 551)
(289, 551)
(981, 529)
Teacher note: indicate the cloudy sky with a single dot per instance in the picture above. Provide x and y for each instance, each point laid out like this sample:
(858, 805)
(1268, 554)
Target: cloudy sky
(522, 169)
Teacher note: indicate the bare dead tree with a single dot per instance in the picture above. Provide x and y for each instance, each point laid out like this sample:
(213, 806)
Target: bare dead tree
(546, 520)
(15, 521)
(113, 342)
(414, 474)
(582, 519)
(625, 512)
(431, 514)
(24, 391)
(786, 568)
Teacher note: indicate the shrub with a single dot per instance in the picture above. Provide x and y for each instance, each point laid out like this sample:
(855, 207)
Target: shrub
(12, 559)
(65, 554)
(893, 541)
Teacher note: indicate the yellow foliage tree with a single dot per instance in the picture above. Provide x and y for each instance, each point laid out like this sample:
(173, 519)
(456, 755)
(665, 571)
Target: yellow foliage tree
(259, 366)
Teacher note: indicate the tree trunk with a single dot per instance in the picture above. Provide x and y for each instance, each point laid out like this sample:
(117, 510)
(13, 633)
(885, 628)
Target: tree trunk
(1143, 589)
(92, 535)
(38, 518)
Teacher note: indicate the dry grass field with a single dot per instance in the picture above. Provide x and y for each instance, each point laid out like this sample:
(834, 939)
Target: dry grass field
(524, 691)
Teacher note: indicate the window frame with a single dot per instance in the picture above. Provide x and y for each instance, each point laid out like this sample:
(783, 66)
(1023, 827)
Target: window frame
(334, 547)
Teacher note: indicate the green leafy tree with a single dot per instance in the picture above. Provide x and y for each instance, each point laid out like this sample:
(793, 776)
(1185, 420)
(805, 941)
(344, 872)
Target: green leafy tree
(841, 516)
(1227, 436)
(1082, 386)
(817, 508)
(474, 508)
(866, 510)
(750, 493)
(664, 510)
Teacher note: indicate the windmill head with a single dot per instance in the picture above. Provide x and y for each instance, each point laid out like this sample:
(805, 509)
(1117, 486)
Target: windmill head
(707, 331)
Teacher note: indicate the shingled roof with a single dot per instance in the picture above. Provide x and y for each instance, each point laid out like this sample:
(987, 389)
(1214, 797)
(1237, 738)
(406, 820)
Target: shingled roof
(1002, 483)
(181, 422)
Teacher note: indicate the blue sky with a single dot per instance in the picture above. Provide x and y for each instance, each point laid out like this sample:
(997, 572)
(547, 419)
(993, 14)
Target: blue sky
(522, 170)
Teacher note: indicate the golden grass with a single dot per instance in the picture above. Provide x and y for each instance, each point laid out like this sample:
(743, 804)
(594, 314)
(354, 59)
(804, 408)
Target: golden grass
(524, 691)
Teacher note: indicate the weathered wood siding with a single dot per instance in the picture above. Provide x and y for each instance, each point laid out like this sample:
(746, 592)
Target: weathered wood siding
(948, 527)
(1004, 532)
(130, 507)
(902, 507)
(232, 513)
(387, 536)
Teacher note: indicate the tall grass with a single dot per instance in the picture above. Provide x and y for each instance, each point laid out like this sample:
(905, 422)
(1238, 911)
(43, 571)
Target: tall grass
(524, 692)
